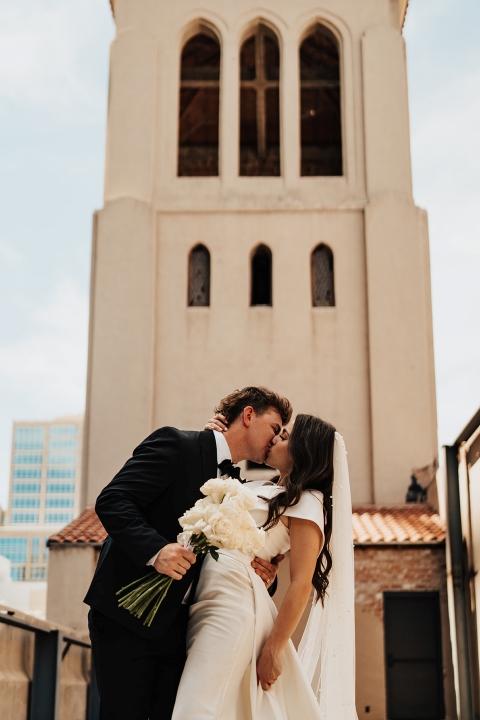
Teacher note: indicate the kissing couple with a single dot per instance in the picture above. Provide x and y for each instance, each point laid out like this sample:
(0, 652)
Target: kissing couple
(217, 648)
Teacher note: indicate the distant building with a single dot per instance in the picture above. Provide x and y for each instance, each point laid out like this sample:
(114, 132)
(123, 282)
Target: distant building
(44, 492)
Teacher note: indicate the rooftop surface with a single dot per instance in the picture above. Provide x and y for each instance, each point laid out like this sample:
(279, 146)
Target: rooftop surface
(372, 524)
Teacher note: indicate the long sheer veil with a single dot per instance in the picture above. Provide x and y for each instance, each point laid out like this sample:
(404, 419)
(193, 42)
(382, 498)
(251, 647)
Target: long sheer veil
(327, 648)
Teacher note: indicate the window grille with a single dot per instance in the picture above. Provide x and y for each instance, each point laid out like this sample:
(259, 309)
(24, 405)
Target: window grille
(259, 104)
(261, 277)
(320, 116)
(323, 291)
(199, 277)
(199, 106)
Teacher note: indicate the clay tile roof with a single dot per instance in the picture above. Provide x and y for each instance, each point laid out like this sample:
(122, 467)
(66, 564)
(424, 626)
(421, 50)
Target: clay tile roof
(410, 523)
(372, 524)
(86, 528)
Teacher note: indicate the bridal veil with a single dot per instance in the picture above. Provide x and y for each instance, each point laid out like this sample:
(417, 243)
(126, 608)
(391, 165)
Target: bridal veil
(327, 648)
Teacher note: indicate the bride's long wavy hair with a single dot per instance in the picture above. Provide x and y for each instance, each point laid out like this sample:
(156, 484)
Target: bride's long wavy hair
(310, 446)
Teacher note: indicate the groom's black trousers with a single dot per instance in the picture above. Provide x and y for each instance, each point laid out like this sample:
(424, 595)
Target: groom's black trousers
(137, 678)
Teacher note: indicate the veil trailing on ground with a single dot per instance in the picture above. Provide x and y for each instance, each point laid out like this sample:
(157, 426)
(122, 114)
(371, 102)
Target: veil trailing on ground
(327, 648)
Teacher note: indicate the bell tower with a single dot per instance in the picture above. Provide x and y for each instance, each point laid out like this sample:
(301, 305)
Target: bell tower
(258, 227)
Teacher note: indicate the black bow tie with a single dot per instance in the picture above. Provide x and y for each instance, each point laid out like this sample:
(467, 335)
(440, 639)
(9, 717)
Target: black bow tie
(226, 467)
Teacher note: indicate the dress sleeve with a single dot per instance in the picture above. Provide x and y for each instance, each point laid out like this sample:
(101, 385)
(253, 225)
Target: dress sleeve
(309, 507)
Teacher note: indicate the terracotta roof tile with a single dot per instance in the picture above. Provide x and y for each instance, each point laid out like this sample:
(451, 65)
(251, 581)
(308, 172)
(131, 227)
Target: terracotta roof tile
(86, 528)
(372, 524)
(409, 523)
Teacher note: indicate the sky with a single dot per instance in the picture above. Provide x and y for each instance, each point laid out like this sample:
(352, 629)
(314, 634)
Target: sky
(53, 96)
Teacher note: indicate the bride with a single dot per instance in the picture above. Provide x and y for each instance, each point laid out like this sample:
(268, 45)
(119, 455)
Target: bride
(241, 662)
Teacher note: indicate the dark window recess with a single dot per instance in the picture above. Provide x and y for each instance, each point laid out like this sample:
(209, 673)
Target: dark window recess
(413, 649)
(323, 291)
(261, 276)
(199, 277)
(259, 104)
(199, 107)
(320, 116)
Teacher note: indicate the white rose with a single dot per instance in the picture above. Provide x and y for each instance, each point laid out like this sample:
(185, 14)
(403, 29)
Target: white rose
(190, 517)
(246, 499)
(221, 525)
(215, 485)
(184, 538)
(254, 540)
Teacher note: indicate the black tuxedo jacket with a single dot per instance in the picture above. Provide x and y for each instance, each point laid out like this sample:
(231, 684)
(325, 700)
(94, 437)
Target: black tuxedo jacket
(140, 509)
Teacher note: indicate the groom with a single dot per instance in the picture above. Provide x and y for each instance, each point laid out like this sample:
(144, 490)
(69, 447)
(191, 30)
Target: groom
(138, 668)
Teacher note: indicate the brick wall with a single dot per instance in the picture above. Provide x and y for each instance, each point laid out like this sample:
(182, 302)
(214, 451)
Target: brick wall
(397, 567)
(388, 568)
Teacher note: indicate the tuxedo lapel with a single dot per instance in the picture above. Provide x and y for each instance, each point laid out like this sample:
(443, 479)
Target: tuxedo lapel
(209, 455)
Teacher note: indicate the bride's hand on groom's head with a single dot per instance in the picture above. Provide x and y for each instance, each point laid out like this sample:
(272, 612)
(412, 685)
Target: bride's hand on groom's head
(267, 570)
(218, 422)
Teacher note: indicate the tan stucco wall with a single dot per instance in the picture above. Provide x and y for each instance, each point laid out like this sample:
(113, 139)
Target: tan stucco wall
(70, 571)
(367, 364)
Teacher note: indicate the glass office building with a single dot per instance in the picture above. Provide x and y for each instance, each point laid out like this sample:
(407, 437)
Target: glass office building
(44, 493)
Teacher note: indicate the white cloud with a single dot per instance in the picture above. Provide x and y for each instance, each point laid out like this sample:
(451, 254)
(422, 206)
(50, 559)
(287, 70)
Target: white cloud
(44, 372)
(50, 363)
(44, 56)
(9, 253)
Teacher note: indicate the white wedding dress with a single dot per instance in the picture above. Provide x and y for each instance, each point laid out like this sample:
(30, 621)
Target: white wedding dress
(230, 620)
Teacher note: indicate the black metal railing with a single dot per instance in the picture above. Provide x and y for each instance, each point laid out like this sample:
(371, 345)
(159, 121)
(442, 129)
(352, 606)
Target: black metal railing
(50, 649)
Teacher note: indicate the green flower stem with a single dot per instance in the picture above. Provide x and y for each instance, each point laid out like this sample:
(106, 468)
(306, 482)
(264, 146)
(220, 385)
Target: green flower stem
(139, 595)
(142, 592)
(155, 608)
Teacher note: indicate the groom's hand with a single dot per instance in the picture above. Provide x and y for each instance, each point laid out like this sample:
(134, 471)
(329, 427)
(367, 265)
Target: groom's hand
(267, 570)
(174, 560)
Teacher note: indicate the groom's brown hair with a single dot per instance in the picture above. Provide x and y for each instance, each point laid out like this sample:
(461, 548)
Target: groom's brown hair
(259, 398)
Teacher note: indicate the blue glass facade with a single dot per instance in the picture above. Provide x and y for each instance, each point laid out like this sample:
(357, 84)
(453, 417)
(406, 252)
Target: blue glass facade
(60, 487)
(25, 502)
(57, 473)
(59, 518)
(29, 438)
(26, 488)
(15, 549)
(42, 492)
(17, 518)
(27, 473)
(63, 502)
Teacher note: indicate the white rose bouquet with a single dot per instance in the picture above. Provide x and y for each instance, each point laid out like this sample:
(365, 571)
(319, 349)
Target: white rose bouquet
(219, 520)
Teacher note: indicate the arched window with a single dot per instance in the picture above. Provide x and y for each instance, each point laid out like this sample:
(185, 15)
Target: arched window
(320, 118)
(261, 288)
(199, 106)
(199, 277)
(259, 104)
(323, 290)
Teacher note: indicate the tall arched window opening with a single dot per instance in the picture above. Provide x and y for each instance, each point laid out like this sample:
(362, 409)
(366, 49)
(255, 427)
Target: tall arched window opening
(261, 287)
(259, 104)
(323, 289)
(199, 106)
(320, 116)
(199, 277)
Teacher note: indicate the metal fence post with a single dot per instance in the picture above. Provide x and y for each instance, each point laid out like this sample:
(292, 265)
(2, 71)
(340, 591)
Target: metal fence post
(45, 695)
